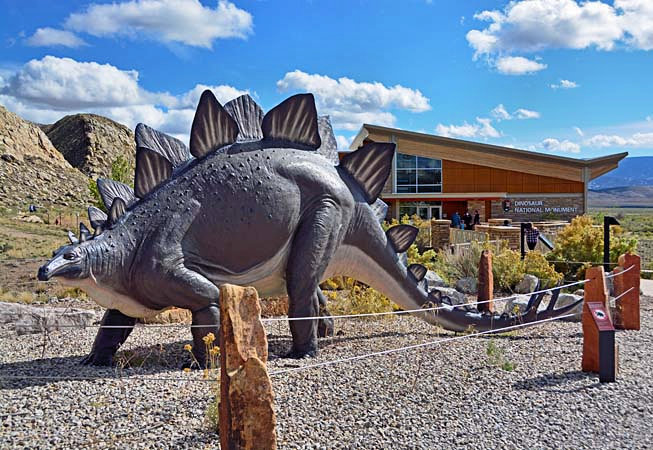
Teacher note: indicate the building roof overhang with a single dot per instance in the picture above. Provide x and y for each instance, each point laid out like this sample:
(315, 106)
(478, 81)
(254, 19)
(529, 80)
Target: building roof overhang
(489, 155)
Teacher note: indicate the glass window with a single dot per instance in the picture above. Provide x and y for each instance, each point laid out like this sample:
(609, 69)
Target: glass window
(406, 189)
(406, 177)
(416, 174)
(405, 161)
(407, 211)
(428, 163)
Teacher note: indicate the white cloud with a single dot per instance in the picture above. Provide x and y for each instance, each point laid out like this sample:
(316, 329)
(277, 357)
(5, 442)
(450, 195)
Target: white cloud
(50, 37)
(183, 21)
(63, 83)
(565, 84)
(351, 103)
(44, 90)
(343, 142)
(500, 113)
(482, 128)
(526, 26)
(636, 140)
(518, 65)
(555, 145)
(579, 131)
(522, 114)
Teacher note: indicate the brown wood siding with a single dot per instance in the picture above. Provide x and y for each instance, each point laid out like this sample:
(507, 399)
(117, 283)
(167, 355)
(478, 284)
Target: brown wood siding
(462, 177)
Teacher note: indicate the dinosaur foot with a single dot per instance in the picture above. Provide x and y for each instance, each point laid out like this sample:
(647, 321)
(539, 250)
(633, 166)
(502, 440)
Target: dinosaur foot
(98, 359)
(325, 328)
(298, 354)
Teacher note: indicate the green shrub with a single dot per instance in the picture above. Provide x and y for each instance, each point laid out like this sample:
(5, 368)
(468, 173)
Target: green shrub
(583, 241)
(359, 300)
(535, 263)
(508, 269)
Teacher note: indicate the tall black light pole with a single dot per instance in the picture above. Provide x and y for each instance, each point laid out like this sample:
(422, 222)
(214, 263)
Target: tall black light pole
(607, 221)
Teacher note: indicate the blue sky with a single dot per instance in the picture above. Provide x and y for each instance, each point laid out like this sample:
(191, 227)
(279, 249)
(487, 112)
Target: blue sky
(553, 76)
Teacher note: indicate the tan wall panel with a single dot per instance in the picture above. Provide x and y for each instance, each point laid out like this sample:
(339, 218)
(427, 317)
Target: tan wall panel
(482, 158)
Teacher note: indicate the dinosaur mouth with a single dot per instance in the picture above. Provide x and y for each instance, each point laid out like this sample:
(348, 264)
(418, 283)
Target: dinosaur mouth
(46, 273)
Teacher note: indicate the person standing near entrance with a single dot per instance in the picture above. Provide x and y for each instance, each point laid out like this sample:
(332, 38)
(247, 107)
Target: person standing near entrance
(477, 218)
(467, 220)
(455, 220)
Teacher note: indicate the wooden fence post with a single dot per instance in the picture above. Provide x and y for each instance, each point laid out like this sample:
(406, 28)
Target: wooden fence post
(247, 418)
(485, 282)
(599, 352)
(626, 315)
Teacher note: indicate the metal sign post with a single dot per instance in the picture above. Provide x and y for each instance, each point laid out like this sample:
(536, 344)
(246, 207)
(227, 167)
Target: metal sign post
(607, 221)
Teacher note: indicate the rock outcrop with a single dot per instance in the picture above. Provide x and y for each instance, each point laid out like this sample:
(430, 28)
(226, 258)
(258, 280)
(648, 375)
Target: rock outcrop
(20, 139)
(92, 143)
(32, 170)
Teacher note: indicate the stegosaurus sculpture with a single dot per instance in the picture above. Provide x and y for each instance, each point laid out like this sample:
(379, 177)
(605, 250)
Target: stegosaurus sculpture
(251, 202)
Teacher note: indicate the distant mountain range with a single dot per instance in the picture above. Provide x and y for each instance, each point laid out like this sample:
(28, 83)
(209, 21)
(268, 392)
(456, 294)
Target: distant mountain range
(635, 171)
(623, 196)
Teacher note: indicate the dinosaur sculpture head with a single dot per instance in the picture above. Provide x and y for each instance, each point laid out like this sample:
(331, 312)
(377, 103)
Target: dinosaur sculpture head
(69, 261)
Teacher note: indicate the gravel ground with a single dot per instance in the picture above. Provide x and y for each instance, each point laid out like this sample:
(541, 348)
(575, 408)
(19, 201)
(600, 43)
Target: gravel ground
(451, 395)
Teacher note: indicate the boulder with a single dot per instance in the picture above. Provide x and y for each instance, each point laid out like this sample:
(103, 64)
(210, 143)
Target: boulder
(516, 304)
(580, 292)
(28, 319)
(568, 299)
(527, 285)
(434, 280)
(171, 315)
(467, 285)
(457, 298)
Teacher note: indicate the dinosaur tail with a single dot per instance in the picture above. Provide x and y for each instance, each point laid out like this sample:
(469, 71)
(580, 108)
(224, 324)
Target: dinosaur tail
(377, 262)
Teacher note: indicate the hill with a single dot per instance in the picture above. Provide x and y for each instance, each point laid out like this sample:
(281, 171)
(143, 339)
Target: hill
(32, 171)
(624, 196)
(91, 143)
(632, 171)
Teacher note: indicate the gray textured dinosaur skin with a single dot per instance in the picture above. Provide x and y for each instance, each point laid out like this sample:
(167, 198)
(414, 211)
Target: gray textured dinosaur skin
(269, 213)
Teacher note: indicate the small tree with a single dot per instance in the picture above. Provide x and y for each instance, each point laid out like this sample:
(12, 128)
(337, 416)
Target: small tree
(121, 170)
(582, 241)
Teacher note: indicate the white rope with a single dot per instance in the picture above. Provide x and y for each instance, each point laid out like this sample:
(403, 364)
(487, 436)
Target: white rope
(343, 316)
(411, 347)
(411, 311)
(294, 369)
(615, 274)
(622, 294)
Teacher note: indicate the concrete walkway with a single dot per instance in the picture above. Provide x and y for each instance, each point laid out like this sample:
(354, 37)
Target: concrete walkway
(647, 287)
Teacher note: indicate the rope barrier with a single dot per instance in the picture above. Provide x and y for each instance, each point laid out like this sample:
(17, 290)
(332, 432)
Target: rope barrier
(343, 316)
(622, 294)
(411, 347)
(296, 369)
(613, 274)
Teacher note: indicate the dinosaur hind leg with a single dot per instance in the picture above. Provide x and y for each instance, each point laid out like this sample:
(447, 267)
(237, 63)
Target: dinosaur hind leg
(324, 326)
(313, 246)
(108, 340)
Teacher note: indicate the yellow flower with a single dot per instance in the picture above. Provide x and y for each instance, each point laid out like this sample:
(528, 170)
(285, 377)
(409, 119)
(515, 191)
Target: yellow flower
(187, 369)
(188, 347)
(209, 338)
(214, 351)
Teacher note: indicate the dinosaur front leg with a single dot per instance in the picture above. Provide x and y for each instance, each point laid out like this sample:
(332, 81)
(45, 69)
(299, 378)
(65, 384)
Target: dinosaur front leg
(108, 340)
(313, 246)
(190, 290)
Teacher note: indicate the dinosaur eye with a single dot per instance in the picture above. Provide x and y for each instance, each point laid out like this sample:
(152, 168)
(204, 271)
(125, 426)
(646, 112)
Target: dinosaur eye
(69, 255)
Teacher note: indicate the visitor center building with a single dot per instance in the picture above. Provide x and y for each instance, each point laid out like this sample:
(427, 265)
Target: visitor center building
(435, 176)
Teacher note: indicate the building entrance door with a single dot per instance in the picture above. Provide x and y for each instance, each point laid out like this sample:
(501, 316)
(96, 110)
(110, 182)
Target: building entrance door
(429, 212)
